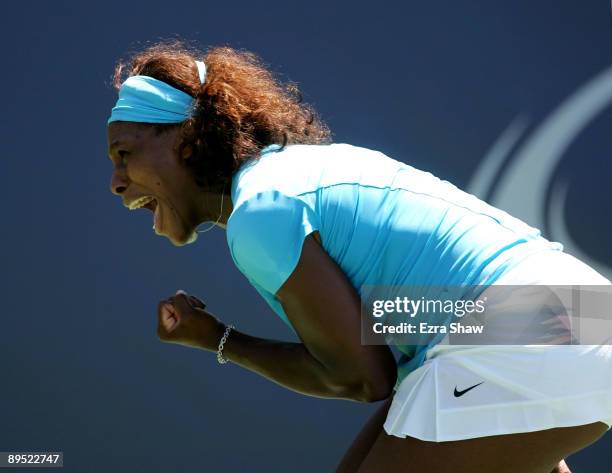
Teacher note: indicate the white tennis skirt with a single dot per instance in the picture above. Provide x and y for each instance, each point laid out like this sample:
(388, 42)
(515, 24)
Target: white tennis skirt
(463, 392)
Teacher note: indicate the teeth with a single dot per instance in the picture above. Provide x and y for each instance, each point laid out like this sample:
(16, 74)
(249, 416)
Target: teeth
(138, 203)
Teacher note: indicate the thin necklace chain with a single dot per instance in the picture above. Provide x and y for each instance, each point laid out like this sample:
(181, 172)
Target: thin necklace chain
(220, 212)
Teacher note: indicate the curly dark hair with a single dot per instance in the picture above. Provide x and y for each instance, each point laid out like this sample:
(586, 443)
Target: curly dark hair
(239, 110)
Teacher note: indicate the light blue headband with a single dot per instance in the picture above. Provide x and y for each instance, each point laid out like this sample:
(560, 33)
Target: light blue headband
(148, 100)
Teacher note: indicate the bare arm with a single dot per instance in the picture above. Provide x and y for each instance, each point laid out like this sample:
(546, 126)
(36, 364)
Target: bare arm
(324, 309)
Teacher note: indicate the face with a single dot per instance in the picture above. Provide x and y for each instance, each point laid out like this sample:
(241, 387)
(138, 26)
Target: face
(149, 174)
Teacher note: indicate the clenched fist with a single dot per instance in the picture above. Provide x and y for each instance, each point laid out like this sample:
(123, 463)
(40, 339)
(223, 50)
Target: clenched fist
(183, 319)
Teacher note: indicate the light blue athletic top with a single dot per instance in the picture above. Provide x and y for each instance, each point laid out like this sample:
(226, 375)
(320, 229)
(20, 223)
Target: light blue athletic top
(382, 221)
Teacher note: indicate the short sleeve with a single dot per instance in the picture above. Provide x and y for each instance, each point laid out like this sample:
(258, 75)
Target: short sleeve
(265, 234)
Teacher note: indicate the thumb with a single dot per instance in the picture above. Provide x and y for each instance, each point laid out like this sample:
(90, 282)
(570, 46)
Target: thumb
(182, 304)
(197, 302)
(193, 300)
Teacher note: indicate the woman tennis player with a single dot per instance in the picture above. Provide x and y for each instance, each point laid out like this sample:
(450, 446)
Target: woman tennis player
(217, 138)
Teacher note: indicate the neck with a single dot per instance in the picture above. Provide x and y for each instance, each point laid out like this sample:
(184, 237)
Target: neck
(216, 206)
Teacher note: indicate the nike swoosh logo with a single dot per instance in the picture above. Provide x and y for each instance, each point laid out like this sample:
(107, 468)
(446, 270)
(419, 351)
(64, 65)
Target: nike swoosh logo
(461, 393)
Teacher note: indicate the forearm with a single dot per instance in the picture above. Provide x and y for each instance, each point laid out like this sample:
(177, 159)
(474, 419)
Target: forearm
(292, 366)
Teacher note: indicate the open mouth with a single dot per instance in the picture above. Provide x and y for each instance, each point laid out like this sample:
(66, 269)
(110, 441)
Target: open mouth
(154, 207)
(150, 203)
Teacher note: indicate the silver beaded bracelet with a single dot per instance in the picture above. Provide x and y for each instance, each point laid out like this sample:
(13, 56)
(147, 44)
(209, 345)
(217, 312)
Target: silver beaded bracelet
(220, 358)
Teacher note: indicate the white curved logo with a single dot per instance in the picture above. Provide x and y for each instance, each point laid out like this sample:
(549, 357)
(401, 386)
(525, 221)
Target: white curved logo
(521, 190)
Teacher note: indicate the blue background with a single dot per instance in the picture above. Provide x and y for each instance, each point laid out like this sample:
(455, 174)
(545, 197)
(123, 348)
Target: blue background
(433, 84)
